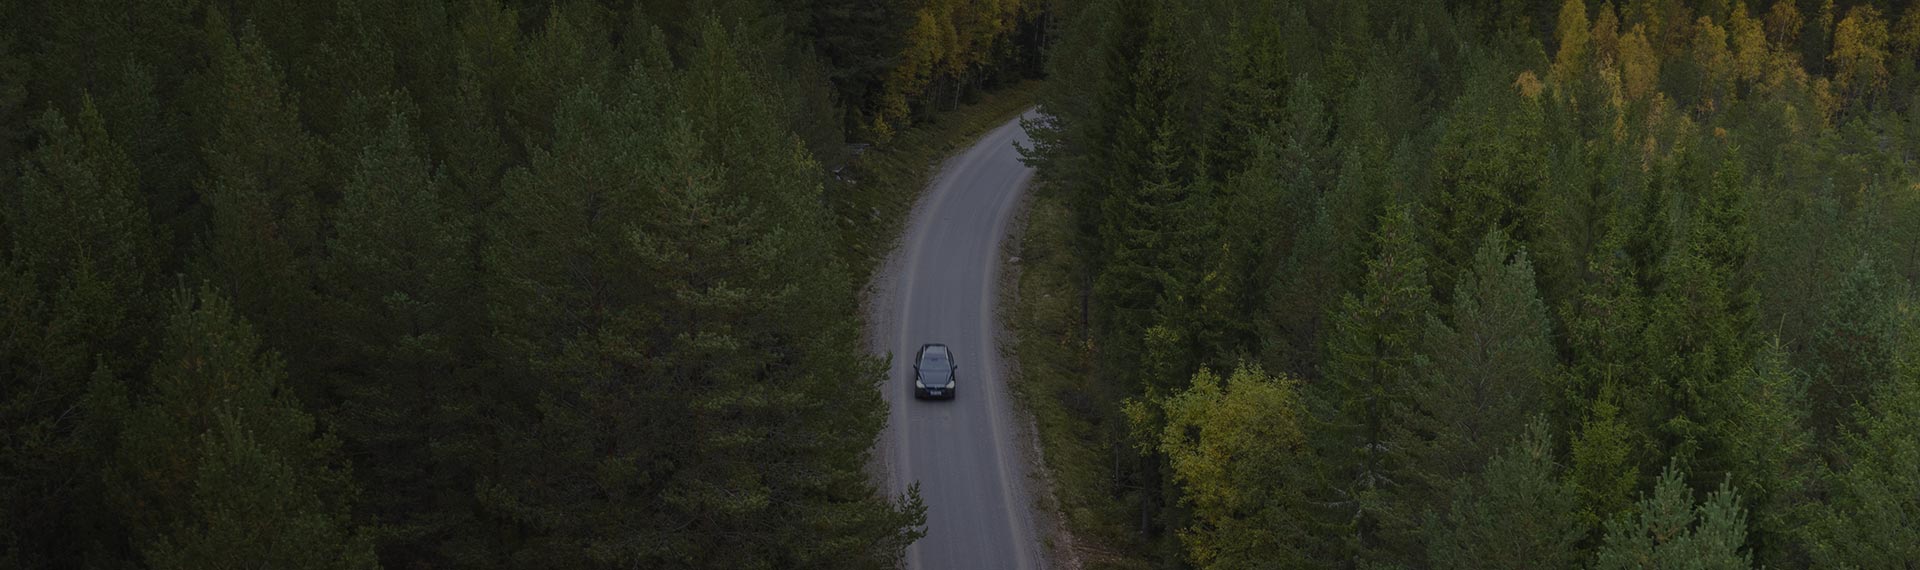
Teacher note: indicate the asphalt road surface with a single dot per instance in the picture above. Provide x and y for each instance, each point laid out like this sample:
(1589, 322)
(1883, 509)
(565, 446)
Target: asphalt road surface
(941, 286)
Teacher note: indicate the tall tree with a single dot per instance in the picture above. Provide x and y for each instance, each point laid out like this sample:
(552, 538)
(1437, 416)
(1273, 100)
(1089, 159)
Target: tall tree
(1372, 357)
(1767, 450)
(76, 274)
(264, 183)
(1667, 530)
(1871, 518)
(1488, 372)
(398, 299)
(217, 466)
(1517, 513)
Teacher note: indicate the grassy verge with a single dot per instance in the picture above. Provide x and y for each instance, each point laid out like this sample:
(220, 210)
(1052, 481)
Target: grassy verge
(1079, 432)
(872, 209)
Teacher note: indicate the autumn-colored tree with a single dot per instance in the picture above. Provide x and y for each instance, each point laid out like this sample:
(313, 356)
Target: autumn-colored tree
(1236, 448)
(1860, 54)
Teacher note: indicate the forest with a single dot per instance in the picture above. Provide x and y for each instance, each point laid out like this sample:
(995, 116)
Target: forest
(1363, 283)
(454, 283)
(1492, 283)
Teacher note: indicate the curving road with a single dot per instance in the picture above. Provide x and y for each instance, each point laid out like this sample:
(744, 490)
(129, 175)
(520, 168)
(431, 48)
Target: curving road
(942, 286)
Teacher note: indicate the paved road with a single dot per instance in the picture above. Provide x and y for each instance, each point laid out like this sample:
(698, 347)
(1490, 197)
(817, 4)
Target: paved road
(941, 286)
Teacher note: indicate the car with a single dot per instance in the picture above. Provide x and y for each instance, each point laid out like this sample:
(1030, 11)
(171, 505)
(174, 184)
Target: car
(934, 372)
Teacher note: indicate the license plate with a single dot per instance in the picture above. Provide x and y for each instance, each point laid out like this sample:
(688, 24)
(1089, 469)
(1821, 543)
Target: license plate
(933, 392)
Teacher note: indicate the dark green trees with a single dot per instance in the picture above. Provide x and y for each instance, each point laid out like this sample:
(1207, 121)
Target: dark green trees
(1486, 374)
(1667, 530)
(1869, 520)
(216, 465)
(1518, 513)
(654, 273)
(397, 302)
(532, 264)
(77, 267)
(1373, 355)
(1672, 185)
(263, 184)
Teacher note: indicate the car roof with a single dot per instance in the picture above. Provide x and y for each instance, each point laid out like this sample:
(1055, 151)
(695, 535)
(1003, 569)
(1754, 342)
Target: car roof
(935, 350)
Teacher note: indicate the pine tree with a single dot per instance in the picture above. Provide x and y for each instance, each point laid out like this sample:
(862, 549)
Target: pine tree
(1605, 458)
(1488, 372)
(263, 182)
(1870, 521)
(1765, 447)
(1853, 345)
(217, 466)
(77, 264)
(1489, 166)
(666, 243)
(1667, 530)
(1372, 358)
(398, 295)
(1516, 514)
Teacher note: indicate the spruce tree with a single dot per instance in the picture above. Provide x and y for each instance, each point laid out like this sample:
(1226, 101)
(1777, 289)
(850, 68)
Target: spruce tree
(1488, 372)
(1373, 354)
(1870, 520)
(1667, 530)
(1765, 446)
(264, 181)
(398, 297)
(1518, 513)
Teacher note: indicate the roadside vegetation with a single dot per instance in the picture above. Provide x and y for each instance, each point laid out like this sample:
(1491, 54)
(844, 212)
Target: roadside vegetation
(875, 194)
(1483, 284)
(1078, 441)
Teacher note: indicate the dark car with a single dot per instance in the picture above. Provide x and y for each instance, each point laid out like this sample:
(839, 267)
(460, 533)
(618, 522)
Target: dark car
(933, 372)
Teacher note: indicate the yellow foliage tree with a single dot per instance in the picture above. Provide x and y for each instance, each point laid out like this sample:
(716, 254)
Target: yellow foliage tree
(1639, 65)
(950, 40)
(1606, 34)
(1860, 53)
(1783, 24)
(1749, 40)
(1230, 447)
(1710, 54)
(1906, 35)
(1574, 37)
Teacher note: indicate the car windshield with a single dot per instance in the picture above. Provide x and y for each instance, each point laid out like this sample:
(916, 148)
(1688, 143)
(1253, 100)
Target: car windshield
(935, 368)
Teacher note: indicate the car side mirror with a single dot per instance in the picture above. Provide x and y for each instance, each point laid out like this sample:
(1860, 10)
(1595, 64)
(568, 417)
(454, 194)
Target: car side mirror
(916, 369)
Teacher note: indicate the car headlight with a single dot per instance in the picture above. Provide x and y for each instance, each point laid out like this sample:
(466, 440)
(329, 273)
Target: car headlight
(917, 384)
(949, 384)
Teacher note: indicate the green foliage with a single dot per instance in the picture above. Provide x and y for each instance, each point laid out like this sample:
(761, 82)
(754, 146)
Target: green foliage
(1870, 521)
(1485, 374)
(263, 186)
(76, 274)
(396, 288)
(538, 319)
(1767, 450)
(1373, 355)
(683, 178)
(216, 463)
(1603, 456)
(1667, 530)
(1517, 513)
